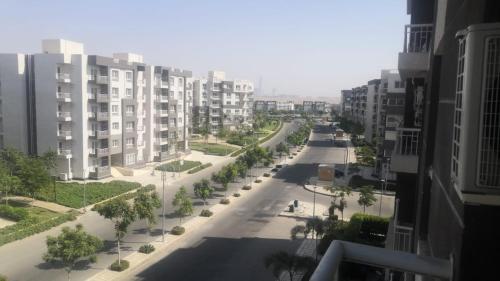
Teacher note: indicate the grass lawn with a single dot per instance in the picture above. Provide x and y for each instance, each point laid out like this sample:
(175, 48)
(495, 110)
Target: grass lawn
(176, 166)
(40, 213)
(212, 148)
(71, 194)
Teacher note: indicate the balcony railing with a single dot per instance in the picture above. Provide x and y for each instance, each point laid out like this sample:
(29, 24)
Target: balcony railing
(102, 79)
(102, 98)
(102, 152)
(418, 38)
(407, 142)
(63, 96)
(64, 114)
(63, 152)
(102, 115)
(102, 133)
(62, 133)
(63, 76)
(92, 96)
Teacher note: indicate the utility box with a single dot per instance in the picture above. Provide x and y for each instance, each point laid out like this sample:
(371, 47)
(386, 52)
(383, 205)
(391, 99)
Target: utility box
(326, 172)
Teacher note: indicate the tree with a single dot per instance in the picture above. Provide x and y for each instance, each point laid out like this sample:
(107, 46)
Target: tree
(121, 213)
(282, 148)
(298, 229)
(366, 197)
(12, 159)
(71, 246)
(144, 205)
(204, 133)
(34, 175)
(203, 190)
(226, 175)
(183, 203)
(317, 225)
(339, 192)
(284, 262)
(8, 182)
(50, 160)
(341, 206)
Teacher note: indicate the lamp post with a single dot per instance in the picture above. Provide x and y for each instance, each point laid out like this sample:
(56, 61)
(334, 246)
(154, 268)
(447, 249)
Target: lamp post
(163, 179)
(84, 190)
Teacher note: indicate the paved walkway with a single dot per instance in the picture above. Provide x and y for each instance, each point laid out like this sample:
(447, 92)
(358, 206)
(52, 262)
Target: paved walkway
(41, 204)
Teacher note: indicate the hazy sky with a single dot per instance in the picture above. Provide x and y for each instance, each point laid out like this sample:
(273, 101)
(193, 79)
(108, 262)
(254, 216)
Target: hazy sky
(307, 47)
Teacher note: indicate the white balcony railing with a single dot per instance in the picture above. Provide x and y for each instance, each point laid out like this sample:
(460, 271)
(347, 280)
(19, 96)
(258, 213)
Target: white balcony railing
(62, 133)
(102, 79)
(63, 95)
(63, 76)
(407, 141)
(102, 98)
(63, 114)
(102, 151)
(418, 38)
(63, 152)
(102, 115)
(102, 133)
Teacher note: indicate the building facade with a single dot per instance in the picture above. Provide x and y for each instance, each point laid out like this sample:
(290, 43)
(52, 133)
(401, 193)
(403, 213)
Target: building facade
(96, 112)
(220, 103)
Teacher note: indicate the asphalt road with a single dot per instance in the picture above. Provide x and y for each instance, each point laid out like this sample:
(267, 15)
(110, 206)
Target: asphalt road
(22, 260)
(233, 245)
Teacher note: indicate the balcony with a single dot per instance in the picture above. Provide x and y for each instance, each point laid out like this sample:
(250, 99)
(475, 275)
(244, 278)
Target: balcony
(64, 97)
(92, 114)
(64, 152)
(129, 113)
(102, 79)
(130, 130)
(64, 135)
(163, 98)
(163, 126)
(102, 134)
(414, 60)
(100, 172)
(64, 116)
(162, 112)
(102, 116)
(140, 128)
(163, 140)
(404, 157)
(91, 133)
(92, 96)
(101, 152)
(102, 98)
(63, 77)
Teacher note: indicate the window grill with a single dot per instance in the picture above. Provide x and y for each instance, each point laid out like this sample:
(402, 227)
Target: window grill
(458, 108)
(489, 145)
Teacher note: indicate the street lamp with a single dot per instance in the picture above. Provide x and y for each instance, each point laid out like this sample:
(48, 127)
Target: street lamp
(163, 179)
(84, 190)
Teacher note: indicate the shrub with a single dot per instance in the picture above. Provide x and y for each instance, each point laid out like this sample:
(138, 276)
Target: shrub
(279, 166)
(369, 229)
(299, 150)
(267, 175)
(258, 181)
(291, 157)
(124, 264)
(206, 213)
(3, 278)
(275, 170)
(199, 168)
(178, 230)
(148, 188)
(146, 249)
(247, 187)
(236, 194)
(294, 154)
(224, 201)
(31, 226)
(13, 213)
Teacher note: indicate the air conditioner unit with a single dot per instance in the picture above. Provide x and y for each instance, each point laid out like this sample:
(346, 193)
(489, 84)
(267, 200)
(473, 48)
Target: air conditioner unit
(475, 167)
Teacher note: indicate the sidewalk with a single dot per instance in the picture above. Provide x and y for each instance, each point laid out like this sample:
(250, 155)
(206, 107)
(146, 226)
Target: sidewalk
(306, 249)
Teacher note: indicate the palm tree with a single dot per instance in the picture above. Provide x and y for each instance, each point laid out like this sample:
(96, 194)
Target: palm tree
(284, 262)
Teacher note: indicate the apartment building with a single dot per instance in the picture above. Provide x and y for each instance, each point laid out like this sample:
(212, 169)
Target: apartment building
(286, 106)
(264, 106)
(96, 112)
(220, 103)
(359, 98)
(314, 106)
(446, 148)
(346, 101)
(371, 112)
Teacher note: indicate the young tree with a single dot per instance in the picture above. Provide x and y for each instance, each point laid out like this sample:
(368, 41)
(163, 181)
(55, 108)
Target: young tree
(33, 175)
(282, 148)
(241, 168)
(224, 177)
(144, 206)
(8, 182)
(284, 262)
(366, 197)
(121, 213)
(203, 190)
(339, 192)
(12, 159)
(204, 133)
(183, 203)
(71, 246)
(49, 158)
(341, 206)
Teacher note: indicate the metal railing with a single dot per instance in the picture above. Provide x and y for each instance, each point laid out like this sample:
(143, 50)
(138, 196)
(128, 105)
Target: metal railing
(63, 152)
(63, 114)
(408, 141)
(402, 238)
(102, 79)
(102, 133)
(102, 115)
(63, 76)
(418, 38)
(63, 133)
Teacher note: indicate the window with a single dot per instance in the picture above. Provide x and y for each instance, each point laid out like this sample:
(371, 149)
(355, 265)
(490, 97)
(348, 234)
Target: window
(115, 93)
(228, 95)
(114, 75)
(130, 159)
(115, 143)
(128, 76)
(129, 109)
(237, 111)
(180, 81)
(130, 141)
(171, 93)
(171, 81)
(114, 109)
(228, 111)
(93, 91)
(116, 126)
(179, 95)
(128, 92)
(130, 125)
(228, 102)
(204, 86)
(238, 87)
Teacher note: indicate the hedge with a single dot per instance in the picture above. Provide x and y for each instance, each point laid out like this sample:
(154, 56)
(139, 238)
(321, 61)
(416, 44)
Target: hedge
(369, 228)
(13, 213)
(199, 168)
(31, 226)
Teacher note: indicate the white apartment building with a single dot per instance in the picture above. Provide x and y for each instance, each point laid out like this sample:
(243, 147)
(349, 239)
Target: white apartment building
(286, 106)
(96, 112)
(370, 124)
(220, 103)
